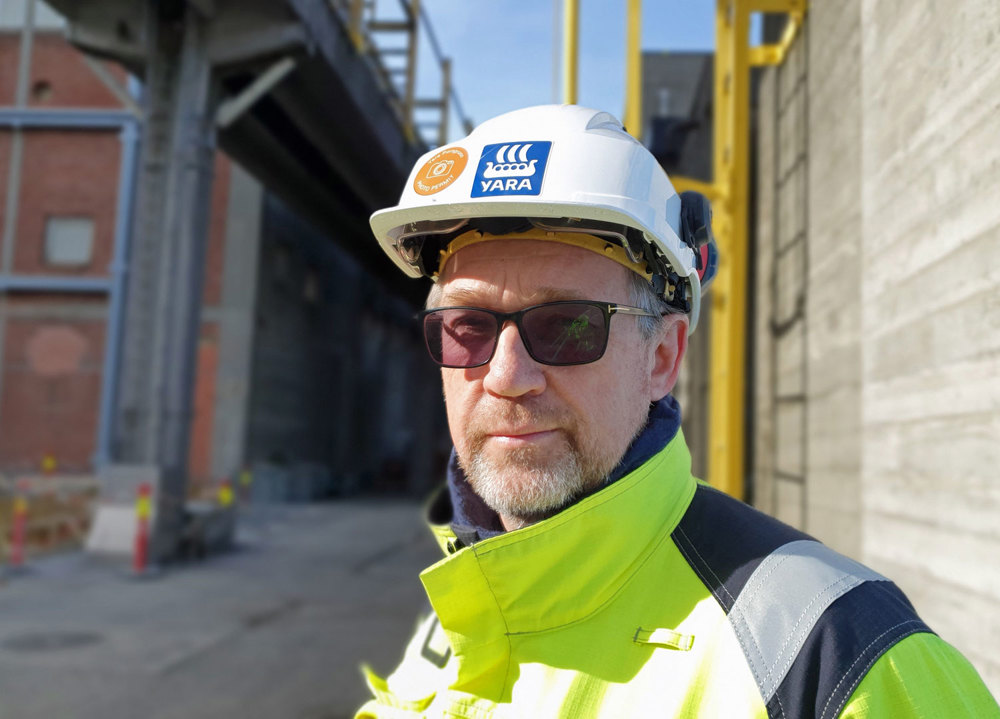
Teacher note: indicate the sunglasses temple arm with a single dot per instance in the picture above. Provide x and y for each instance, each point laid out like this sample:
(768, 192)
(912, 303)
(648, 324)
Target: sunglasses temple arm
(626, 310)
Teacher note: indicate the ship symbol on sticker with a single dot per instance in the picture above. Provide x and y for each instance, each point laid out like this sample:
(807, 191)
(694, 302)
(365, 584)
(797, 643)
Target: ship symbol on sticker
(513, 168)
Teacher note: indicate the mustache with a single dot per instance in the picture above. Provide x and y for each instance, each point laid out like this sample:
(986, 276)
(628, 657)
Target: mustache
(515, 413)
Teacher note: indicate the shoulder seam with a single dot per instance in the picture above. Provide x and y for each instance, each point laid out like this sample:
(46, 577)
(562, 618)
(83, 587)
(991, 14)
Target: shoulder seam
(699, 565)
(864, 672)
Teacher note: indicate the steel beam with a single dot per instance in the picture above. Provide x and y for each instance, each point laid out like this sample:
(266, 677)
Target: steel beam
(54, 283)
(153, 420)
(127, 173)
(234, 107)
(104, 75)
(32, 118)
(8, 233)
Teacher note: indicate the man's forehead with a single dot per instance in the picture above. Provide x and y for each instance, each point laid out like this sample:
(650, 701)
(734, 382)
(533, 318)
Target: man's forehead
(459, 292)
(536, 271)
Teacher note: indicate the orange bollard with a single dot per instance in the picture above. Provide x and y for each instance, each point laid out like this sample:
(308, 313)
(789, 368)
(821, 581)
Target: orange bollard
(18, 523)
(142, 511)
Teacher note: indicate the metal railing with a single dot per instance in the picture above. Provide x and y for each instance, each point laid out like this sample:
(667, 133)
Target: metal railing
(368, 33)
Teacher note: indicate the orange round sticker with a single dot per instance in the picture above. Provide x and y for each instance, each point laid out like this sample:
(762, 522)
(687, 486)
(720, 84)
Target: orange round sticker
(440, 171)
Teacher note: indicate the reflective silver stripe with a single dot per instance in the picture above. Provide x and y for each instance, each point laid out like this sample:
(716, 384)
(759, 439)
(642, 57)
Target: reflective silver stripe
(781, 602)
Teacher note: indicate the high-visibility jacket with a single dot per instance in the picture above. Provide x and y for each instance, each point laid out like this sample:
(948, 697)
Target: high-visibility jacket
(661, 597)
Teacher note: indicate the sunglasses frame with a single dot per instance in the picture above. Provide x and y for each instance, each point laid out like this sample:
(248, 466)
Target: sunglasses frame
(502, 318)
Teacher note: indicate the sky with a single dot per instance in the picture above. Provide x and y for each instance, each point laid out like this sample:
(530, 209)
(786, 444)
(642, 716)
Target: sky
(502, 50)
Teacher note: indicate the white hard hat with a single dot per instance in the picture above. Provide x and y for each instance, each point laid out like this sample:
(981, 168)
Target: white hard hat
(560, 168)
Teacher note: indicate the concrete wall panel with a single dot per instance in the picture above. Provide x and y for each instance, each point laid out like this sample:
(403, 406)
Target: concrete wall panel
(902, 315)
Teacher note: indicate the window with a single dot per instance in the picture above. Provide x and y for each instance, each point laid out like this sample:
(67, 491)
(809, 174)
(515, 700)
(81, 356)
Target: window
(69, 241)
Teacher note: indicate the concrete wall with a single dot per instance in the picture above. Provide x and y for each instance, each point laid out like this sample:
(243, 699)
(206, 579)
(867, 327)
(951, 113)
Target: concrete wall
(897, 349)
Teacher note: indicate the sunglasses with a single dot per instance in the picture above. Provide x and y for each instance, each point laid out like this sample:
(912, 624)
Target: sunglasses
(554, 333)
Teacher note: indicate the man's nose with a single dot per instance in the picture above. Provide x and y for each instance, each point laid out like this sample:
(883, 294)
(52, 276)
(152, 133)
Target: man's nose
(512, 372)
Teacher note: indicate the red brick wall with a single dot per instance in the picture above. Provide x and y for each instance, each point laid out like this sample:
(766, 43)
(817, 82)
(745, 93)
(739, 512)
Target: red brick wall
(200, 455)
(58, 78)
(54, 345)
(4, 168)
(67, 173)
(52, 360)
(61, 78)
(9, 44)
(212, 293)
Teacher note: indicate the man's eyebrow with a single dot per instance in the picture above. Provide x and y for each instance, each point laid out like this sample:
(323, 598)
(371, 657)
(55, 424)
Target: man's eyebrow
(465, 296)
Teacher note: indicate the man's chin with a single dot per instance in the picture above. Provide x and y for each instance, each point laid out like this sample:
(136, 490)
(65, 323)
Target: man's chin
(527, 490)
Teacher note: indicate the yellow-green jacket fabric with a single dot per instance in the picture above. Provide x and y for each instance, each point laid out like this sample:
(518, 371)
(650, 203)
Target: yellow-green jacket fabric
(660, 597)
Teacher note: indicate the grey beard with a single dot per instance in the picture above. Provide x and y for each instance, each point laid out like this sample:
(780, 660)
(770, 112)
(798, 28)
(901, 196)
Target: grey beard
(524, 492)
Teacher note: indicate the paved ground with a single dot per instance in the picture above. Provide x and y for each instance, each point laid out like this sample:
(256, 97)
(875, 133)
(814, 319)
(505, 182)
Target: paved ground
(276, 628)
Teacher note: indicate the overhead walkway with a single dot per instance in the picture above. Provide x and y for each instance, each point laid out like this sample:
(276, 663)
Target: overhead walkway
(316, 99)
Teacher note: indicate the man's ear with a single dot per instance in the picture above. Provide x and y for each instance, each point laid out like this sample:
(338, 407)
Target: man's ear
(667, 355)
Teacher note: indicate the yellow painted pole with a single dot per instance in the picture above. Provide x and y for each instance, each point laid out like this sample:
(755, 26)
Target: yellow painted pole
(571, 40)
(728, 294)
(633, 69)
(729, 194)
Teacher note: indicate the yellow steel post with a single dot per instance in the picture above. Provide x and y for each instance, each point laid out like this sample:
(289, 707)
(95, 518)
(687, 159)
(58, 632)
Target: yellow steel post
(728, 296)
(571, 39)
(633, 69)
(357, 31)
(729, 194)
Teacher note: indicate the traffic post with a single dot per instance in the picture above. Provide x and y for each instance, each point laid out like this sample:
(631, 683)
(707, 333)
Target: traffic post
(18, 526)
(143, 509)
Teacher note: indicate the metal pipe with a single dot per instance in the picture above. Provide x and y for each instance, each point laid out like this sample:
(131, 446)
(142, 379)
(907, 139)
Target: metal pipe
(127, 174)
(571, 40)
(633, 69)
(20, 118)
(14, 169)
(230, 110)
(54, 283)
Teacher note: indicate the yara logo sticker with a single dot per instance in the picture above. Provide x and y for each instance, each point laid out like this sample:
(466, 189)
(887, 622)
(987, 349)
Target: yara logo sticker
(516, 163)
(511, 168)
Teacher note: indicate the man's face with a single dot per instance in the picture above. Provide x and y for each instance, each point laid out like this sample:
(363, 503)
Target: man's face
(532, 437)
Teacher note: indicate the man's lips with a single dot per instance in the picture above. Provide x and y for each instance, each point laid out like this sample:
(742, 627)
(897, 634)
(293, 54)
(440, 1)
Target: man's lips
(521, 435)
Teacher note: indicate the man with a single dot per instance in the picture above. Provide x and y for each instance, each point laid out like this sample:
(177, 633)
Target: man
(587, 572)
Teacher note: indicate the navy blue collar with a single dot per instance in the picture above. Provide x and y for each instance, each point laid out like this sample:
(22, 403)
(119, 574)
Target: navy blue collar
(472, 520)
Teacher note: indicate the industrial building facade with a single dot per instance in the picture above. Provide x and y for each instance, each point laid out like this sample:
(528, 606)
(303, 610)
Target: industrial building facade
(294, 333)
(873, 416)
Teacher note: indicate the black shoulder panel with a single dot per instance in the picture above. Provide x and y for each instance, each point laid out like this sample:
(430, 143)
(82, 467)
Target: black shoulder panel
(846, 641)
(724, 540)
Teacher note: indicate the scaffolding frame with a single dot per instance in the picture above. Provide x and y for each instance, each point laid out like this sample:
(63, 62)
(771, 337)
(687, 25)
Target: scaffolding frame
(729, 194)
(400, 83)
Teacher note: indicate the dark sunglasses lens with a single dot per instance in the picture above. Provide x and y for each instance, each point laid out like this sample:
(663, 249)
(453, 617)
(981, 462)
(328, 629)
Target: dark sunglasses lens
(460, 338)
(565, 333)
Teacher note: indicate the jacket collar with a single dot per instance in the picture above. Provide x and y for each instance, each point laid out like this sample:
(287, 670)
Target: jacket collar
(561, 569)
